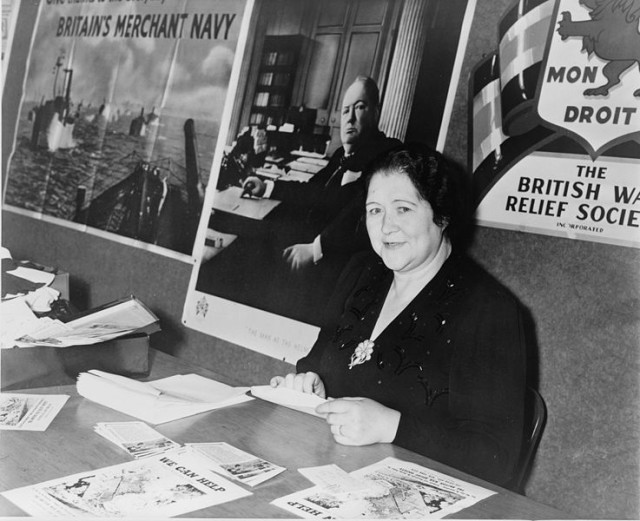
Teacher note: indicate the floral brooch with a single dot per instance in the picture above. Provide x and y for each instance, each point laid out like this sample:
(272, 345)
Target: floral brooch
(362, 354)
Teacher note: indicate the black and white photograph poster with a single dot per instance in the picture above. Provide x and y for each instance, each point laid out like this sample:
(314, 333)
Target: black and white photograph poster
(323, 88)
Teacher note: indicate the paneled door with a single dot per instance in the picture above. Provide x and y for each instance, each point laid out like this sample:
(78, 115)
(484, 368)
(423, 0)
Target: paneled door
(350, 38)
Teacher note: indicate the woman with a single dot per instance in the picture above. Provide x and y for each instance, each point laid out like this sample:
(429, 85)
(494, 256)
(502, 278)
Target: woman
(423, 349)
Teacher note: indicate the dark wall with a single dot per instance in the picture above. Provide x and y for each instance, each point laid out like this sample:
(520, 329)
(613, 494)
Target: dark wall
(583, 297)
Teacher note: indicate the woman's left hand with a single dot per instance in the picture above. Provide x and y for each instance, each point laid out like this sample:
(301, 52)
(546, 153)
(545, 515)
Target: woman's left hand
(360, 421)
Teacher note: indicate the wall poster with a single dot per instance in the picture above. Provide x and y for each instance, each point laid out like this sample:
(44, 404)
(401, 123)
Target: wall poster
(555, 122)
(121, 110)
(9, 17)
(300, 59)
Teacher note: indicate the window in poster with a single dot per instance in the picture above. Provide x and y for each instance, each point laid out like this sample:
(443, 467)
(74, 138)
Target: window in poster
(120, 115)
(265, 266)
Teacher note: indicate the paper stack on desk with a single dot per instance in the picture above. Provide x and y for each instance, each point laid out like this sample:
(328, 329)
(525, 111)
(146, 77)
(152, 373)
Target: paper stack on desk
(113, 320)
(162, 400)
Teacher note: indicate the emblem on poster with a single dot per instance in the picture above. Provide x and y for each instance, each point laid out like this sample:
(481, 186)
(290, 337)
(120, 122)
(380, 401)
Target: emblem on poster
(589, 88)
(555, 126)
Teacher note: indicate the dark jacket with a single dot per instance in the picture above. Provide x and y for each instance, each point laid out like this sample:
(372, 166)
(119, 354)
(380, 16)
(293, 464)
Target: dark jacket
(452, 363)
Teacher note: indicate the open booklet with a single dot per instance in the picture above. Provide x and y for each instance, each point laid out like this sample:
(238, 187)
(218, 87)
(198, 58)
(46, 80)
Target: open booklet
(162, 400)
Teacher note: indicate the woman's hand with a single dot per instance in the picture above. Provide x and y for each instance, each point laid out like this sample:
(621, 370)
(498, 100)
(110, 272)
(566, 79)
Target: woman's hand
(360, 421)
(298, 256)
(309, 383)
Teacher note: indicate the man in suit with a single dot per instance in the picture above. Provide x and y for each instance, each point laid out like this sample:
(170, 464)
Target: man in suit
(289, 262)
(330, 203)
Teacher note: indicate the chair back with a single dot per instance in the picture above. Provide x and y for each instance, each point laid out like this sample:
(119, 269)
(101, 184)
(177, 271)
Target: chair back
(535, 420)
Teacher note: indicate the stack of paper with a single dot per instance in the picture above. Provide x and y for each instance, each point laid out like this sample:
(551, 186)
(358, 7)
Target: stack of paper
(137, 438)
(162, 400)
(115, 319)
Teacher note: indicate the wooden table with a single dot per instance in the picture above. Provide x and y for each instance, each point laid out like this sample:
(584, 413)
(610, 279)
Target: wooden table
(285, 437)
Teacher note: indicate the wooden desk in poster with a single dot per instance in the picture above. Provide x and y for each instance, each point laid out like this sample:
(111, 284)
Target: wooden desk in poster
(288, 438)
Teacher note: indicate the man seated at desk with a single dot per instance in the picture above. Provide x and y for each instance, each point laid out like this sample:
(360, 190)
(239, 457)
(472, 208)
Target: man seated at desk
(288, 263)
(329, 198)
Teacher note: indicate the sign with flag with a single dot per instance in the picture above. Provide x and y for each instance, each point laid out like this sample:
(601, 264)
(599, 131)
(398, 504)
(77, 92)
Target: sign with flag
(555, 122)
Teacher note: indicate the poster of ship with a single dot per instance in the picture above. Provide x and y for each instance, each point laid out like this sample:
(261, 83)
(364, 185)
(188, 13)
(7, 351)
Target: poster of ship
(120, 117)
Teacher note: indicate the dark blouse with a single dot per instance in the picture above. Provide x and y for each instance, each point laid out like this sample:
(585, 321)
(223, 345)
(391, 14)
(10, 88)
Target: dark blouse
(452, 362)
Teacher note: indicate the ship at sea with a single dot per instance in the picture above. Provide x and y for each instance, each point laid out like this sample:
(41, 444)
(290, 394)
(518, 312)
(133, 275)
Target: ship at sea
(53, 122)
(146, 206)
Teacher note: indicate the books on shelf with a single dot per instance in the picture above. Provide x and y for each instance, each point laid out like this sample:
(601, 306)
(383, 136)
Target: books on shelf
(266, 79)
(281, 59)
(159, 401)
(261, 99)
(270, 58)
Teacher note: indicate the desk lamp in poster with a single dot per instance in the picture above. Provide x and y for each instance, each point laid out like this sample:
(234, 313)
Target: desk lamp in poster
(120, 115)
(556, 129)
(254, 283)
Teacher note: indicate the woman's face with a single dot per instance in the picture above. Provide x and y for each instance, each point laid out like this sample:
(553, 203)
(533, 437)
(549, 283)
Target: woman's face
(400, 223)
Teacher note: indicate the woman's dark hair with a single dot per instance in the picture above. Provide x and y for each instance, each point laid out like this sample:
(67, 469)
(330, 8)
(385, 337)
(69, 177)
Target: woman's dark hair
(438, 180)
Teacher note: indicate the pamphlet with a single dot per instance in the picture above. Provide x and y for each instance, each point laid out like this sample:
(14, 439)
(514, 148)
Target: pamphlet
(235, 463)
(304, 402)
(164, 485)
(29, 412)
(162, 400)
(399, 490)
(137, 438)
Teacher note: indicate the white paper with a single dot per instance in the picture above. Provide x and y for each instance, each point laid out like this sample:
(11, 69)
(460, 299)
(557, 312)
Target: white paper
(114, 321)
(179, 396)
(33, 275)
(304, 402)
(29, 412)
(402, 490)
(235, 463)
(17, 320)
(337, 481)
(231, 201)
(165, 485)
